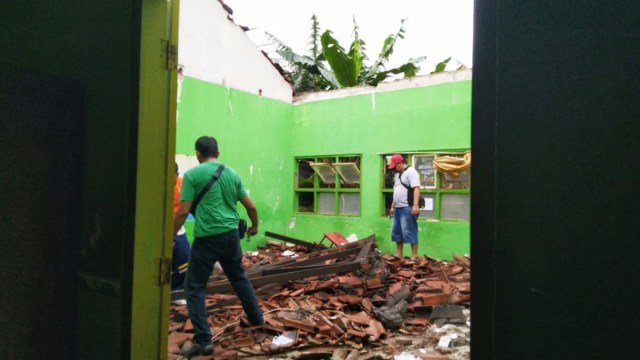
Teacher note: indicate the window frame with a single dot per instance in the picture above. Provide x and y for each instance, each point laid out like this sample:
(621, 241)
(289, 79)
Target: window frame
(437, 191)
(336, 188)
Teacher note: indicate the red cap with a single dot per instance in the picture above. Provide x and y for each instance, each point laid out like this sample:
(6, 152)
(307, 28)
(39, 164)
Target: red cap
(395, 159)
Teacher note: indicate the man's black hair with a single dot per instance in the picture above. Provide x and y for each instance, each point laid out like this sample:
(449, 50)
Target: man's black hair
(207, 146)
(176, 167)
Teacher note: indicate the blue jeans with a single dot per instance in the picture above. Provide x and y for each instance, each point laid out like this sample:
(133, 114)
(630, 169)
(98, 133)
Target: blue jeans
(180, 261)
(405, 226)
(205, 251)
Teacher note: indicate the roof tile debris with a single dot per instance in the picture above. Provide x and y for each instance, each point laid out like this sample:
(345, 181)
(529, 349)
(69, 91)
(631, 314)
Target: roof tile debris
(320, 302)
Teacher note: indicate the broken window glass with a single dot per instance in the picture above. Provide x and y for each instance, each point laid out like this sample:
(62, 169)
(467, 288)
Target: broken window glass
(305, 202)
(325, 180)
(462, 181)
(305, 173)
(388, 199)
(453, 179)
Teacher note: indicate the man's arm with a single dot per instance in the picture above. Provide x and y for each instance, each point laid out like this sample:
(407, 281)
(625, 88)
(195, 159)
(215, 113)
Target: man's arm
(181, 215)
(414, 182)
(393, 208)
(415, 210)
(252, 211)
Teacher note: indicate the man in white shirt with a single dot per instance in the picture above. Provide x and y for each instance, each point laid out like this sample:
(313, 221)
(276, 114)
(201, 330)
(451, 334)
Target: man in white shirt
(404, 208)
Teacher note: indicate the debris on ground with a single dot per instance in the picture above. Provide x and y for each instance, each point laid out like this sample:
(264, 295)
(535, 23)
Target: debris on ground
(338, 302)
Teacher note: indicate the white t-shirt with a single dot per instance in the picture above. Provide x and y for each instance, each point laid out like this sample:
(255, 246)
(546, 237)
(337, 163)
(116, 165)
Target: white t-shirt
(409, 177)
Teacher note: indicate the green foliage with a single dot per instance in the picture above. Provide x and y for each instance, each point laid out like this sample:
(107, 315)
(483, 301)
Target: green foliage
(442, 65)
(328, 66)
(308, 72)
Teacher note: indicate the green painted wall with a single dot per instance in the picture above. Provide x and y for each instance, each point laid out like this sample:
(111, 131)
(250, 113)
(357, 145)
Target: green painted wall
(436, 117)
(268, 135)
(254, 136)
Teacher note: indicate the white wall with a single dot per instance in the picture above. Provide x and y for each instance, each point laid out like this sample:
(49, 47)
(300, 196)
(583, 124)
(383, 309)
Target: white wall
(214, 49)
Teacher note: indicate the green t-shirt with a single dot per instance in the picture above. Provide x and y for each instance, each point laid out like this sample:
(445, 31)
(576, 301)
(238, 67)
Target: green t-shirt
(217, 211)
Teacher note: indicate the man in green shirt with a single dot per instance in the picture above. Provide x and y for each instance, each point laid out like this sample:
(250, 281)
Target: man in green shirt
(216, 238)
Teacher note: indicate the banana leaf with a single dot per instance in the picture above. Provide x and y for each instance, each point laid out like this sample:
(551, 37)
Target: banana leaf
(409, 69)
(385, 53)
(344, 67)
(441, 65)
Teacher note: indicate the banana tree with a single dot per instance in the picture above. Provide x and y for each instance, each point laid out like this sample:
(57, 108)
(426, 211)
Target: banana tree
(308, 72)
(348, 67)
(328, 66)
(378, 72)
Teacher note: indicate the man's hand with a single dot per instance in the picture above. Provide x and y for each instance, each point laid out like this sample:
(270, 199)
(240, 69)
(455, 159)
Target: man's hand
(391, 211)
(252, 230)
(415, 210)
(253, 216)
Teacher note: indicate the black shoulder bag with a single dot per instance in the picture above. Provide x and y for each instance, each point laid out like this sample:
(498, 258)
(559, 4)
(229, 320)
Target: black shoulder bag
(214, 178)
(421, 203)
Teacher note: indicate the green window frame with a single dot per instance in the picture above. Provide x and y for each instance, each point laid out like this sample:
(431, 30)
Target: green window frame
(447, 197)
(328, 185)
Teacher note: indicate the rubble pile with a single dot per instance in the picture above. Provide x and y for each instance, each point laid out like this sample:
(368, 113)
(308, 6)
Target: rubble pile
(341, 302)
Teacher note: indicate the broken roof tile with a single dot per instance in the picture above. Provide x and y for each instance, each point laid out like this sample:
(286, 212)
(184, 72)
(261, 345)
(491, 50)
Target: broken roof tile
(334, 308)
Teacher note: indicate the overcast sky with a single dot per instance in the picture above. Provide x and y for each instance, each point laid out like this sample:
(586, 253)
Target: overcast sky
(436, 29)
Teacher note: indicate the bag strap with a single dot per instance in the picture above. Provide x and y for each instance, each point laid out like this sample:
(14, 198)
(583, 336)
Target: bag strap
(409, 188)
(400, 179)
(214, 178)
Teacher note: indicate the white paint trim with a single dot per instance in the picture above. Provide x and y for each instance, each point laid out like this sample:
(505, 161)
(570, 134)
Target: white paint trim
(417, 81)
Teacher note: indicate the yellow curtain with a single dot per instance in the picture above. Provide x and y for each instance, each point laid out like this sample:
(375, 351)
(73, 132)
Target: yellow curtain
(453, 165)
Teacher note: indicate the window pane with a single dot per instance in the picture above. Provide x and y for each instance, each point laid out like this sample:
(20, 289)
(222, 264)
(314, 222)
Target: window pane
(349, 174)
(429, 210)
(353, 159)
(305, 173)
(388, 179)
(350, 203)
(462, 181)
(388, 174)
(305, 201)
(454, 172)
(326, 173)
(326, 203)
(424, 165)
(388, 199)
(455, 206)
